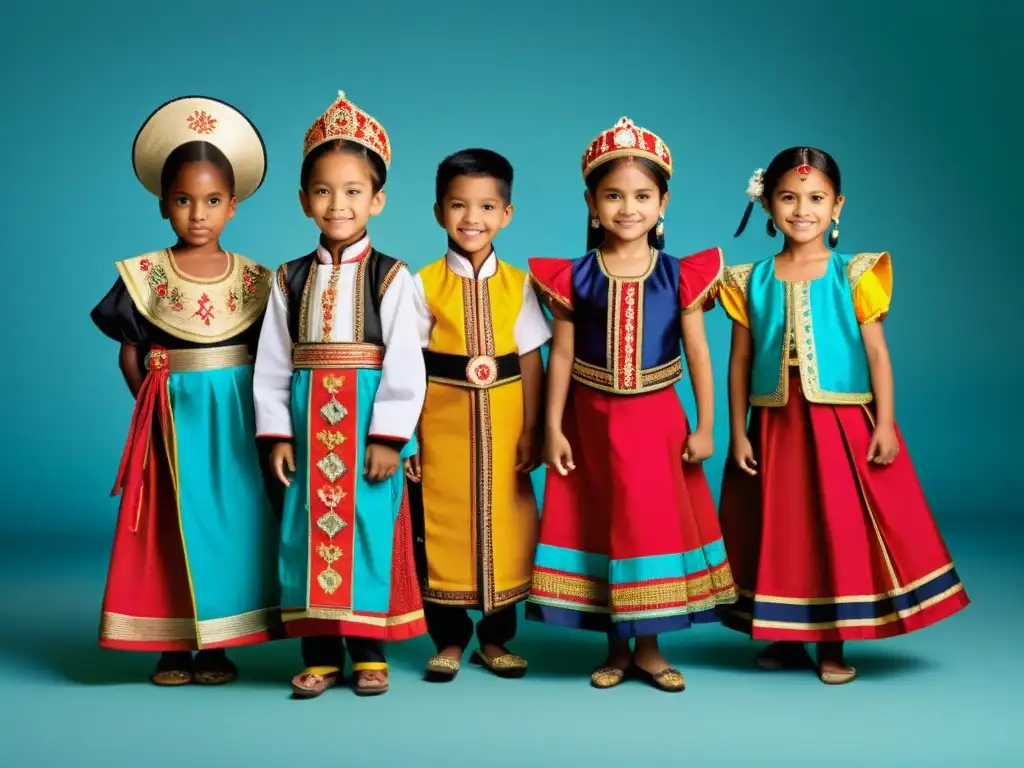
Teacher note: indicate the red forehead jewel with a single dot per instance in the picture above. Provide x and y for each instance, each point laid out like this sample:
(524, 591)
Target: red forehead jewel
(804, 171)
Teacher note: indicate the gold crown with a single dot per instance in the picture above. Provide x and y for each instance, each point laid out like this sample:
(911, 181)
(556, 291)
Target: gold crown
(344, 120)
(624, 139)
(199, 118)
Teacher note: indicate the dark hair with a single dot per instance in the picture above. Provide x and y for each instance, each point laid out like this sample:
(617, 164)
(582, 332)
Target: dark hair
(596, 236)
(474, 162)
(378, 171)
(782, 164)
(194, 152)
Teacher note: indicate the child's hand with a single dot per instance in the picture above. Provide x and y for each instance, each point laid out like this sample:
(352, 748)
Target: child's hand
(699, 445)
(381, 463)
(743, 455)
(281, 455)
(559, 454)
(413, 470)
(526, 451)
(884, 445)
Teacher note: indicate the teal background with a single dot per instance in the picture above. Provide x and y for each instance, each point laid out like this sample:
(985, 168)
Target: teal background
(918, 103)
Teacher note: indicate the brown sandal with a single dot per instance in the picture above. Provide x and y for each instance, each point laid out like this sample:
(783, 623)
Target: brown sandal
(669, 680)
(214, 668)
(314, 681)
(361, 672)
(172, 670)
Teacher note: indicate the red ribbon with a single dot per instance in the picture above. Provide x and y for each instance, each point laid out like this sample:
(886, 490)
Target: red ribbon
(150, 403)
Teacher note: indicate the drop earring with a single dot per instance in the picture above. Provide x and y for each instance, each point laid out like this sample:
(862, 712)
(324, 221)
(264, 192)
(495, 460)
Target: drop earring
(659, 230)
(770, 227)
(833, 236)
(595, 223)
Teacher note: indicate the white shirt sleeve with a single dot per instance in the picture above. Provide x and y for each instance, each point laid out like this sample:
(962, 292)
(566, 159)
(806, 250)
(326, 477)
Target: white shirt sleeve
(272, 377)
(532, 329)
(403, 379)
(424, 317)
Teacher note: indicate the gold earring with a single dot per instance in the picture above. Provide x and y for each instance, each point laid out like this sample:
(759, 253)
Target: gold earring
(595, 222)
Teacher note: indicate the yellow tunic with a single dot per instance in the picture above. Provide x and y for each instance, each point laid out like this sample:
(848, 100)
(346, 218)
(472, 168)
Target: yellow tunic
(480, 514)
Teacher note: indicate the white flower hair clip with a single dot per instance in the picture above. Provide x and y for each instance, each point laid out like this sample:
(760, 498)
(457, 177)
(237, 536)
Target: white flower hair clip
(755, 187)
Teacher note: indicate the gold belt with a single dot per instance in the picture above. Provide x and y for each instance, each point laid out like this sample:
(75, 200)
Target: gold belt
(198, 359)
(350, 355)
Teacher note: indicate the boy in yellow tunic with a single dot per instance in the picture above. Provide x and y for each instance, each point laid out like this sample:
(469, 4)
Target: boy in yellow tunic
(481, 328)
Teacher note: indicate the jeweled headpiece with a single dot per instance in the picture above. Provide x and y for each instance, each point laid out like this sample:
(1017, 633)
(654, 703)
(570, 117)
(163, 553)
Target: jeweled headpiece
(199, 118)
(624, 139)
(344, 120)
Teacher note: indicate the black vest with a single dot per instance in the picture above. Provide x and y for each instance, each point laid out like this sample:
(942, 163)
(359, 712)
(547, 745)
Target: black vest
(378, 273)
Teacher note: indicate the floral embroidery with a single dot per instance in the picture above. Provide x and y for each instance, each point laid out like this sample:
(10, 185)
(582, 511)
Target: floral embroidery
(245, 291)
(161, 287)
(200, 122)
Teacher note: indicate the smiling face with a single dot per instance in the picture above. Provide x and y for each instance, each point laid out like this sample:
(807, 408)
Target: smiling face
(627, 202)
(198, 204)
(340, 197)
(473, 211)
(803, 205)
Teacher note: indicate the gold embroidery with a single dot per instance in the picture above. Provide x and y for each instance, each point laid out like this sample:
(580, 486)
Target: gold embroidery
(331, 523)
(327, 303)
(650, 380)
(550, 295)
(162, 295)
(358, 315)
(282, 281)
(199, 359)
(333, 383)
(329, 439)
(390, 277)
(781, 394)
(329, 580)
(304, 307)
(472, 599)
(861, 263)
(329, 552)
(337, 355)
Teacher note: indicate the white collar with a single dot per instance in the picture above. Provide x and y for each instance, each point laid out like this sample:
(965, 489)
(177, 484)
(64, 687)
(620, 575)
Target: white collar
(351, 253)
(462, 266)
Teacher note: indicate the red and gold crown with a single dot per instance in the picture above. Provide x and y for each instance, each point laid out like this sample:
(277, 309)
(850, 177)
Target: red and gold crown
(344, 120)
(626, 140)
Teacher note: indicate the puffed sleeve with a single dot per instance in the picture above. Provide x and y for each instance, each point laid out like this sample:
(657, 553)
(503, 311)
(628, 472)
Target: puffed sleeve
(732, 293)
(117, 317)
(552, 279)
(698, 278)
(871, 282)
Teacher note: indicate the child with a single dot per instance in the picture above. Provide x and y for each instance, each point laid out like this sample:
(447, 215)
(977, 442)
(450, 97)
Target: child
(339, 385)
(823, 516)
(629, 541)
(482, 329)
(192, 565)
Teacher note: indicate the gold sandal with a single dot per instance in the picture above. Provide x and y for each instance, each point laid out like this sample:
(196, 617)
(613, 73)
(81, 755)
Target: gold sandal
(669, 680)
(507, 665)
(838, 678)
(607, 677)
(442, 669)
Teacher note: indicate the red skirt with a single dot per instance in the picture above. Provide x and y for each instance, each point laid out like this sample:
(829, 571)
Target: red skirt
(824, 545)
(404, 619)
(629, 540)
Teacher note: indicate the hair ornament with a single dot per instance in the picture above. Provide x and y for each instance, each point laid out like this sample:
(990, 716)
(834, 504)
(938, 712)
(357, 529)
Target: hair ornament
(755, 187)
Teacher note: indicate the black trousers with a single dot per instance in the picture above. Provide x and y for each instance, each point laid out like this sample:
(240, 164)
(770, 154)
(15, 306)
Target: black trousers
(451, 625)
(329, 651)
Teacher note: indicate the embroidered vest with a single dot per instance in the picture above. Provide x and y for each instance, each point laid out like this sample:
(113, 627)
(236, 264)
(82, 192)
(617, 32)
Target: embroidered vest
(627, 329)
(813, 321)
(376, 272)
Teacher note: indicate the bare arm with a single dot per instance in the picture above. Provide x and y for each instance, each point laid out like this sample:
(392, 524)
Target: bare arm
(532, 368)
(880, 367)
(128, 361)
(559, 372)
(698, 361)
(739, 381)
